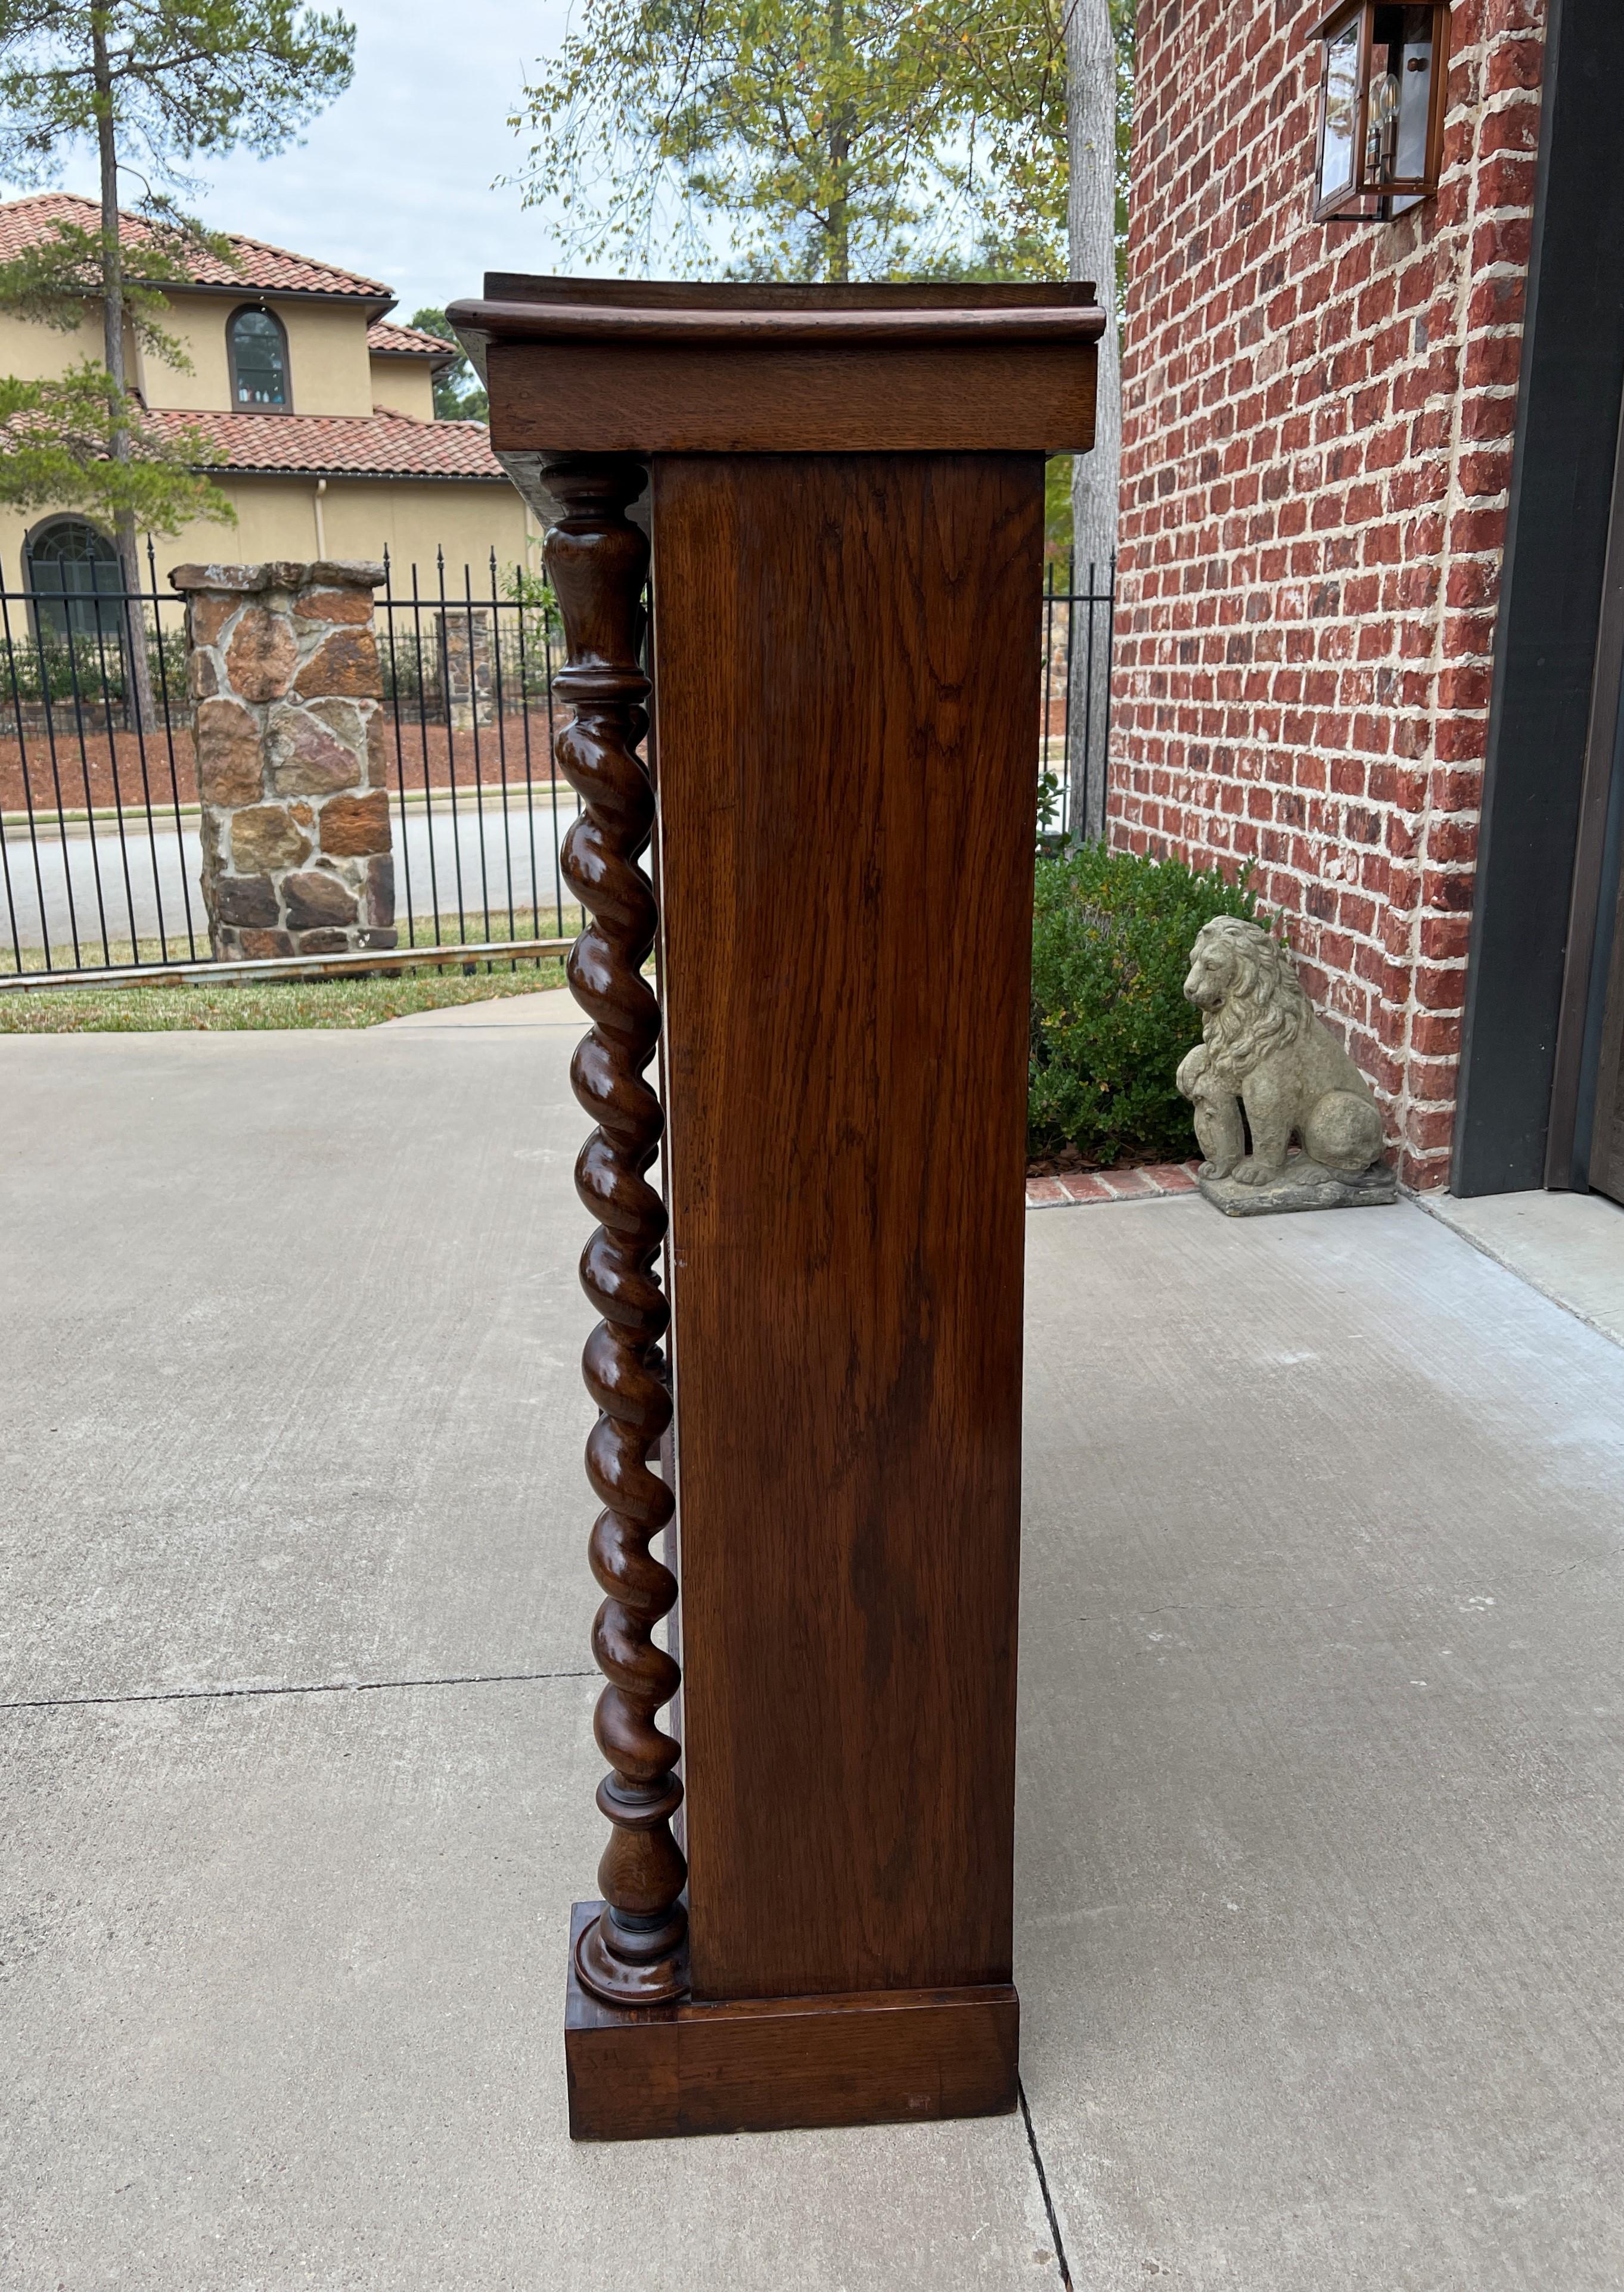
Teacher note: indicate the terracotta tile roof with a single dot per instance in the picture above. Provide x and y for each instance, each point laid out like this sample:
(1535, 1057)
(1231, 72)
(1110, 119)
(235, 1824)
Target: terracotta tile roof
(253, 266)
(381, 444)
(386, 340)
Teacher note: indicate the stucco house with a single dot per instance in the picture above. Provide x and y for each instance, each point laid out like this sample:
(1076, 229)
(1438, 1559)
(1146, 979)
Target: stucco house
(322, 406)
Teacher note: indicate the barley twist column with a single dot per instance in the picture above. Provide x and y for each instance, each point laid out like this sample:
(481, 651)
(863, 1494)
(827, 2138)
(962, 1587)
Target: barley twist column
(635, 1953)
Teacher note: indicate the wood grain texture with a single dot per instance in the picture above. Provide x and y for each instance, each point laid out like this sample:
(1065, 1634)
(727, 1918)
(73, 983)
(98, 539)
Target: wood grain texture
(848, 655)
(749, 396)
(770, 2064)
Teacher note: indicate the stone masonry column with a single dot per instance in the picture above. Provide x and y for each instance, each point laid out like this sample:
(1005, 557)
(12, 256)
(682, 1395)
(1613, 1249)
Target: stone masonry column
(282, 666)
(470, 691)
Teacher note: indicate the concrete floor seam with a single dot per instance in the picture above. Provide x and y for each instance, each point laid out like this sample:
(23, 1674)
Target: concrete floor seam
(1570, 1265)
(1043, 2187)
(314, 1687)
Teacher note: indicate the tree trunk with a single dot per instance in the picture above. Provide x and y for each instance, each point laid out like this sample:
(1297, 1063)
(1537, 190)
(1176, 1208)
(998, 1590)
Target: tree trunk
(138, 677)
(840, 156)
(1091, 221)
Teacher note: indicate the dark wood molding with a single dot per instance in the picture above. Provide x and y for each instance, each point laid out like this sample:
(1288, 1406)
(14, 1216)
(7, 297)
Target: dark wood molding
(611, 367)
(597, 560)
(1573, 374)
(765, 2065)
(765, 398)
(587, 322)
(776, 294)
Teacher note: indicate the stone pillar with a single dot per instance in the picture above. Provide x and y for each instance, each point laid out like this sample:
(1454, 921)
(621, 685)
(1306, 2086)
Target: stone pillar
(282, 666)
(466, 641)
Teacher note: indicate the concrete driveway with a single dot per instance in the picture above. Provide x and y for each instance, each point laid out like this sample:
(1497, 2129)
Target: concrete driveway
(1319, 1908)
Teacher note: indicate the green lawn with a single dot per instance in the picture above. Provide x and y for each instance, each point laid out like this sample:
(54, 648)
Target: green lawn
(527, 922)
(295, 1003)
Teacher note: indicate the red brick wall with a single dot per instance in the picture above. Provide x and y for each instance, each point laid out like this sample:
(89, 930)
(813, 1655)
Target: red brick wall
(1317, 426)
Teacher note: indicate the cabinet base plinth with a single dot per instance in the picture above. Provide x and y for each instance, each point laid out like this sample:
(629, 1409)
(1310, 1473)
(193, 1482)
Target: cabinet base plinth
(769, 2064)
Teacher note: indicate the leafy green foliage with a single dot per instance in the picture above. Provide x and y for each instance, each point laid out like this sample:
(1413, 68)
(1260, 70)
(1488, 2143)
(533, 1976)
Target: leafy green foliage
(56, 452)
(1124, 14)
(459, 396)
(818, 128)
(1111, 937)
(181, 77)
(77, 440)
(831, 139)
(527, 646)
(86, 671)
(1057, 507)
(834, 138)
(1004, 60)
(51, 282)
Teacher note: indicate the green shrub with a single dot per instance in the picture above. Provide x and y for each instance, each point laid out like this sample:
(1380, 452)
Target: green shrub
(1110, 948)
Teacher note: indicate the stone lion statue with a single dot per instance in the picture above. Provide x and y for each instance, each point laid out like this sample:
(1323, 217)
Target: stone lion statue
(1263, 1048)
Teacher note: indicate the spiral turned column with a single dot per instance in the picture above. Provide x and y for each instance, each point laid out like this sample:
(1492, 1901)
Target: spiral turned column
(635, 1953)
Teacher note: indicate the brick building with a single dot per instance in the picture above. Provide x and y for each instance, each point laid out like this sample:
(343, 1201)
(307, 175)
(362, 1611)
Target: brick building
(1366, 634)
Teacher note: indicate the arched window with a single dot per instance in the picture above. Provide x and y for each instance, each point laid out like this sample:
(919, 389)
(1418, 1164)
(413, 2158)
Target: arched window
(72, 565)
(258, 351)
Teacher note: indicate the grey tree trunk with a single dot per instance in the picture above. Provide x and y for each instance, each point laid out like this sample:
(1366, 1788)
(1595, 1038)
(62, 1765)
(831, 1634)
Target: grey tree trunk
(840, 153)
(1091, 220)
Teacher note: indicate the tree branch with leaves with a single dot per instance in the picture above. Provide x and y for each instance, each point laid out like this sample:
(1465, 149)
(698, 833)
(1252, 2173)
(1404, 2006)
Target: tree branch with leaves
(149, 86)
(57, 453)
(459, 395)
(790, 139)
(815, 139)
(834, 139)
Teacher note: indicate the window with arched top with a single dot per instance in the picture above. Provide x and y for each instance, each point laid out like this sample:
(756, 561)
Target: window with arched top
(71, 567)
(257, 349)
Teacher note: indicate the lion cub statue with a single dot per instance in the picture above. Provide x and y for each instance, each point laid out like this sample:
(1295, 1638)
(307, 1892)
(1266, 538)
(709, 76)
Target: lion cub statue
(1263, 1048)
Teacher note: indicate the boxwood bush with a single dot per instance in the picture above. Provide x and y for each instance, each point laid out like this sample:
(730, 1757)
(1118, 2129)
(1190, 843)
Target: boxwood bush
(1110, 948)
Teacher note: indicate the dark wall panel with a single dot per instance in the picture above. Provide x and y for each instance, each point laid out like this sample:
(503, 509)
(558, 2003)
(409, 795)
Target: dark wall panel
(1557, 542)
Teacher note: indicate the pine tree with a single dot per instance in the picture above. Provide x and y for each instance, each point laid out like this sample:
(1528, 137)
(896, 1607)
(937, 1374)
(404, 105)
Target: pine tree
(458, 396)
(790, 139)
(58, 436)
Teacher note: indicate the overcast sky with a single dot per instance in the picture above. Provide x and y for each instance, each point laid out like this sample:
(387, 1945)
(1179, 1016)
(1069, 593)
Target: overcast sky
(394, 180)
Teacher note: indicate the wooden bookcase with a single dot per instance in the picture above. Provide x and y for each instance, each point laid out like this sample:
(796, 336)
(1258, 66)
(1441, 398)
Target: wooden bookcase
(844, 490)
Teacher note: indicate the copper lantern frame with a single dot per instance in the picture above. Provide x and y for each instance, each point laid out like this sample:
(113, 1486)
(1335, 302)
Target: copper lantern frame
(1379, 128)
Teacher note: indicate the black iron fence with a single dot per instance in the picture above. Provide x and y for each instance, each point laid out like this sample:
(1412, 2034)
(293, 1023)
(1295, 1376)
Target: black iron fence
(98, 793)
(480, 812)
(99, 817)
(1078, 625)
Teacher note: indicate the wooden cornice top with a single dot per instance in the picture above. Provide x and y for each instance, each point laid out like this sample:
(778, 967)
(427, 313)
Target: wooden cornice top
(612, 311)
(642, 365)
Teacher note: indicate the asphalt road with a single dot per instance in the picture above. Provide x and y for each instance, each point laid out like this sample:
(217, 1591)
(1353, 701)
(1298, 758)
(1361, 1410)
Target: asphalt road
(86, 884)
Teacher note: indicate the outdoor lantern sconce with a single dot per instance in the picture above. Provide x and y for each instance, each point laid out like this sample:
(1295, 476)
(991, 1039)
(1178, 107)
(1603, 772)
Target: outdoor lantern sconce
(1383, 76)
